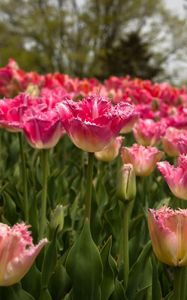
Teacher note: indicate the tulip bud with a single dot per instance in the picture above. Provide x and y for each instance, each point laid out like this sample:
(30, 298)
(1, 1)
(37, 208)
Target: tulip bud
(127, 183)
(57, 218)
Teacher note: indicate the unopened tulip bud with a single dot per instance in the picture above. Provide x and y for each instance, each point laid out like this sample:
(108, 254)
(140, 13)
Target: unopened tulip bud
(111, 151)
(57, 218)
(127, 183)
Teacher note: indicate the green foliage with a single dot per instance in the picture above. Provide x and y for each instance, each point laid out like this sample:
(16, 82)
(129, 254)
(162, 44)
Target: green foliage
(82, 262)
(84, 267)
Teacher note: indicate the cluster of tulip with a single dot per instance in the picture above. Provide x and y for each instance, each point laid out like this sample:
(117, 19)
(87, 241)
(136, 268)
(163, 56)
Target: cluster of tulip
(97, 247)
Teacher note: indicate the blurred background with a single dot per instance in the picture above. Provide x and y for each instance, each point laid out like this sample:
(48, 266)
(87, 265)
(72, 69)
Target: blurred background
(97, 38)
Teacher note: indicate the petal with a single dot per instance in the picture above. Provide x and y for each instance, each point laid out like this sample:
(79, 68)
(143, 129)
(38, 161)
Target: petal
(164, 240)
(20, 265)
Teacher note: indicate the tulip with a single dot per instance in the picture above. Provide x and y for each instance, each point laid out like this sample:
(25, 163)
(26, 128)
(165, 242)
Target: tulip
(57, 218)
(148, 133)
(142, 158)
(93, 122)
(168, 231)
(12, 111)
(111, 151)
(176, 177)
(11, 79)
(42, 127)
(174, 141)
(127, 183)
(17, 253)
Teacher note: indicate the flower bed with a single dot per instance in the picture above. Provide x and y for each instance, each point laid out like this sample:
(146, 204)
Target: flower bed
(93, 171)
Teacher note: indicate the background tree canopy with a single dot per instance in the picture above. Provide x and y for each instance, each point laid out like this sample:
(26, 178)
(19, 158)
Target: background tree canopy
(89, 38)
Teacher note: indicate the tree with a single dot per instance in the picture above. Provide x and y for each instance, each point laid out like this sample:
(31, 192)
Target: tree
(130, 56)
(36, 32)
(82, 38)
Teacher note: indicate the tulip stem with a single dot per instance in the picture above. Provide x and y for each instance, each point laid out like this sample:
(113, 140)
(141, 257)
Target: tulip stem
(89, 178)
(125, 241)
(24, 178)
(44, 166)
(180, 283)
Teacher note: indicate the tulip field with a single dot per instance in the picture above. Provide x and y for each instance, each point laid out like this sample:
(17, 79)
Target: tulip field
(92, 188)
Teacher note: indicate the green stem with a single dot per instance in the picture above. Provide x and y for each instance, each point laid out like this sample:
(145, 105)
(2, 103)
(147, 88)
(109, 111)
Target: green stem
(89, 185)
(44, 166)
(24, 178)
(180, 283)
(125, 240)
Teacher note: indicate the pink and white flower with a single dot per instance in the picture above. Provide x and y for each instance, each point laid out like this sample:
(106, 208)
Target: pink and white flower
(142, 158)
(12, 111)
(111, 151)
(42, 127)
(175, 141)
(176, 177)
(168, 231)
(17, 252)
(94, 122)
(148, 133)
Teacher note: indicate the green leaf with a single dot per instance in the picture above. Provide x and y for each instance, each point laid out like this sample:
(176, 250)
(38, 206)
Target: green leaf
(119, 292)
(45, 295)
(31, 282)
(59, 283)
(49, 262)
(68, 296)
(170, 296)
(15, 292)
(156, 288)
(107, 286)
(9, 208)
(140, 276)
(84, 267)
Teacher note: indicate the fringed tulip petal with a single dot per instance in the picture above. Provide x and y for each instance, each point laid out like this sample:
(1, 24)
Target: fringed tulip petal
(168, 229)
(94, 122)
(142, 158)
(176, 177)
(17, 252)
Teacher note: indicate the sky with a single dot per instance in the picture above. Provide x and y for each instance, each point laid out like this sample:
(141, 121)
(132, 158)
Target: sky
(177, 6)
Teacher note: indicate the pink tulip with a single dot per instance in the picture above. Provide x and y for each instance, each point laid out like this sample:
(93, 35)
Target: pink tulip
(182, 145)
(111, 151)
(42, 127)
(142, 158)
(93, 122)
(174, 141)
(17, 252)
(11, 79)
(168, 231)
(148, 133)
(12, 110)
(176, 177)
